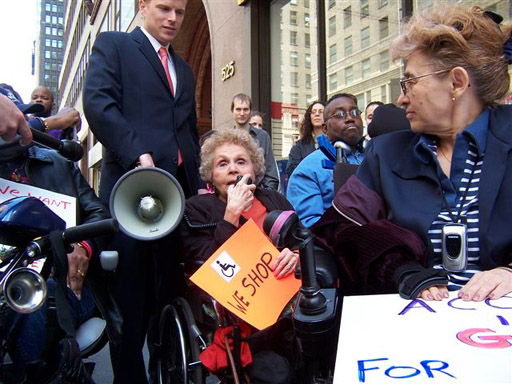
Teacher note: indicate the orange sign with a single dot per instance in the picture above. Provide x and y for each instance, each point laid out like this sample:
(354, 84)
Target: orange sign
(239, 276)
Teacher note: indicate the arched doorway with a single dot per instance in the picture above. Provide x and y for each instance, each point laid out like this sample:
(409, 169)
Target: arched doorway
(193, 44)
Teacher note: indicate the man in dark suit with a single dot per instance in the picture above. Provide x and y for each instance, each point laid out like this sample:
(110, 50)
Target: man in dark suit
(139, 102)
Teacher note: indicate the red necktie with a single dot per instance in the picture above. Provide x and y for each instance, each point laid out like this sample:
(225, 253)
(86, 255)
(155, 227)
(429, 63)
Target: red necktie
(162, 52)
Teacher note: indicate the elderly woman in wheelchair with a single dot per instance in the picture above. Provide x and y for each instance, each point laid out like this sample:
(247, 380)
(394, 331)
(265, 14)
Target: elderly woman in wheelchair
(232, 164)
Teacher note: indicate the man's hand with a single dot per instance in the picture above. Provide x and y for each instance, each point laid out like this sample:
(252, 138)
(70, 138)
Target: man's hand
(78, 263)
(12, 121)
(145, 160)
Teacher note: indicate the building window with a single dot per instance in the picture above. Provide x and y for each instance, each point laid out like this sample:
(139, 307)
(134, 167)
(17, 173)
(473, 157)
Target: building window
(332, 4)
(48, 19)
(365, 8)
(48, 30)
(360, 100)
(294, 59)
(347, 17)
(294, 98)
(48, 7)
(293, 17)
(47, 54)
(306, 3)
(307, 40)
(306, 19)
(349, 75)
(384, 61)
(54, 8)
(332, 54)
(382, 3)
(333, 82)
(366, 68)
(293, 2)
(61, 20)
(294, 79)
(293, 37)
(383, 94)
(348, 46)
(54, 32)
(332, 26)
(308, 81)
(308, 60)
(365, 37)
(48, 42)
(383, 27)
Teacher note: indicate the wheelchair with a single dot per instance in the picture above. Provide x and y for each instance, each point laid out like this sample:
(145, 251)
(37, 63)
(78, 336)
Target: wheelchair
(24, 290)
(188, 324)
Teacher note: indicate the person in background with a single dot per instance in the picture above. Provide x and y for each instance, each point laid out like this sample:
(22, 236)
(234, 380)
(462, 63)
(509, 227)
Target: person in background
(65, 118)
(452, 170)
(139, 101)
(310, 127)
(241, 107)
(311, 187)
(64, 125)
(368, 116)
(256, 119)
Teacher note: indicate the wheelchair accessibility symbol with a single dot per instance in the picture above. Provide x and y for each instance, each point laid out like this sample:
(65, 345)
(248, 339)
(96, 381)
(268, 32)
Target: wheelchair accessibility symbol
(225, 266)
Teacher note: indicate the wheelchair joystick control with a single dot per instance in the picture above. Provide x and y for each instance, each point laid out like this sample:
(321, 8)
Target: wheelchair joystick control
(312, 301)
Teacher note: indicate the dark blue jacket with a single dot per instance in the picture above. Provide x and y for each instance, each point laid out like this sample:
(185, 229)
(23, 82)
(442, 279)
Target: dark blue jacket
(412, 194)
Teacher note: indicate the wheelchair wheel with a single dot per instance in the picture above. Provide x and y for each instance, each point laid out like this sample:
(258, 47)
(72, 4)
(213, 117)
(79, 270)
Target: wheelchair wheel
(179, 355)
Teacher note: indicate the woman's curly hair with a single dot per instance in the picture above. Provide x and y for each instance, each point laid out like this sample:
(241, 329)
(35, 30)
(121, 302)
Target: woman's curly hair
(458, 36)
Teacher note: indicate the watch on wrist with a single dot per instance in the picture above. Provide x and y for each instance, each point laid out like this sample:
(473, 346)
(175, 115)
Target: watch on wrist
(45, 123)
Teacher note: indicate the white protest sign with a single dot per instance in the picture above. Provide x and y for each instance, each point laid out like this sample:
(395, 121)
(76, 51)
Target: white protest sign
(386, 339)
(62, 205)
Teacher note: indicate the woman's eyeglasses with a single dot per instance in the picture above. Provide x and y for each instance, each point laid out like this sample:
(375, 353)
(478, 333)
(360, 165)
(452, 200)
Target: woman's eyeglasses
(341, 114)
(406, 84)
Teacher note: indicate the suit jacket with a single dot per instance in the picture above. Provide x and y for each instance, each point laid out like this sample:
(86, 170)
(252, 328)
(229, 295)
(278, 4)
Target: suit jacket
(131, 110)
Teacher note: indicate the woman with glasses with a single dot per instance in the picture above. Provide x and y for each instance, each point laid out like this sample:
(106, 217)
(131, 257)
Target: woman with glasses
(449, 180)
(310, 127)
(311, 187)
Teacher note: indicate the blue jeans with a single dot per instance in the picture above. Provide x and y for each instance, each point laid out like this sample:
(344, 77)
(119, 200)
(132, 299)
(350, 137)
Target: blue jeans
(26, 333)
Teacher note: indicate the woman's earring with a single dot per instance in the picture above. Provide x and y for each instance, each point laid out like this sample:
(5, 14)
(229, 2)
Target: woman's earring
(453, 99)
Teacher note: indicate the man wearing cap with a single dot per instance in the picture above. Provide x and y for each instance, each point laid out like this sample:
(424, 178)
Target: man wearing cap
(139, 103)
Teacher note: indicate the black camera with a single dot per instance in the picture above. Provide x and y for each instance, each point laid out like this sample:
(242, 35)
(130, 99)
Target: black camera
(455, 247)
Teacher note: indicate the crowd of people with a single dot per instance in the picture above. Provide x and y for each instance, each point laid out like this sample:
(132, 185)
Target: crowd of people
(441, 166)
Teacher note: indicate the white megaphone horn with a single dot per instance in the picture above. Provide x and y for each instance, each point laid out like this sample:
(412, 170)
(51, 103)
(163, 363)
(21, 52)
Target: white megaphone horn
(148, 203)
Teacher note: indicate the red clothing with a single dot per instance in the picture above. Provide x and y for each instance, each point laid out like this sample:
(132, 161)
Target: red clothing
(257, 212)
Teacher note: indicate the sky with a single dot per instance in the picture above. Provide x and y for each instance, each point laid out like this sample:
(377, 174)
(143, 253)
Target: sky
(18, 30)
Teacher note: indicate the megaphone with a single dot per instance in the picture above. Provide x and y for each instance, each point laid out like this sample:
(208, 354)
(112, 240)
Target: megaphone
(148, 203)
(24, 290)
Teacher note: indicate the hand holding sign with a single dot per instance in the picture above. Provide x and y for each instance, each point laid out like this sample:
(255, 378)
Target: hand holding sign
(240, 276)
